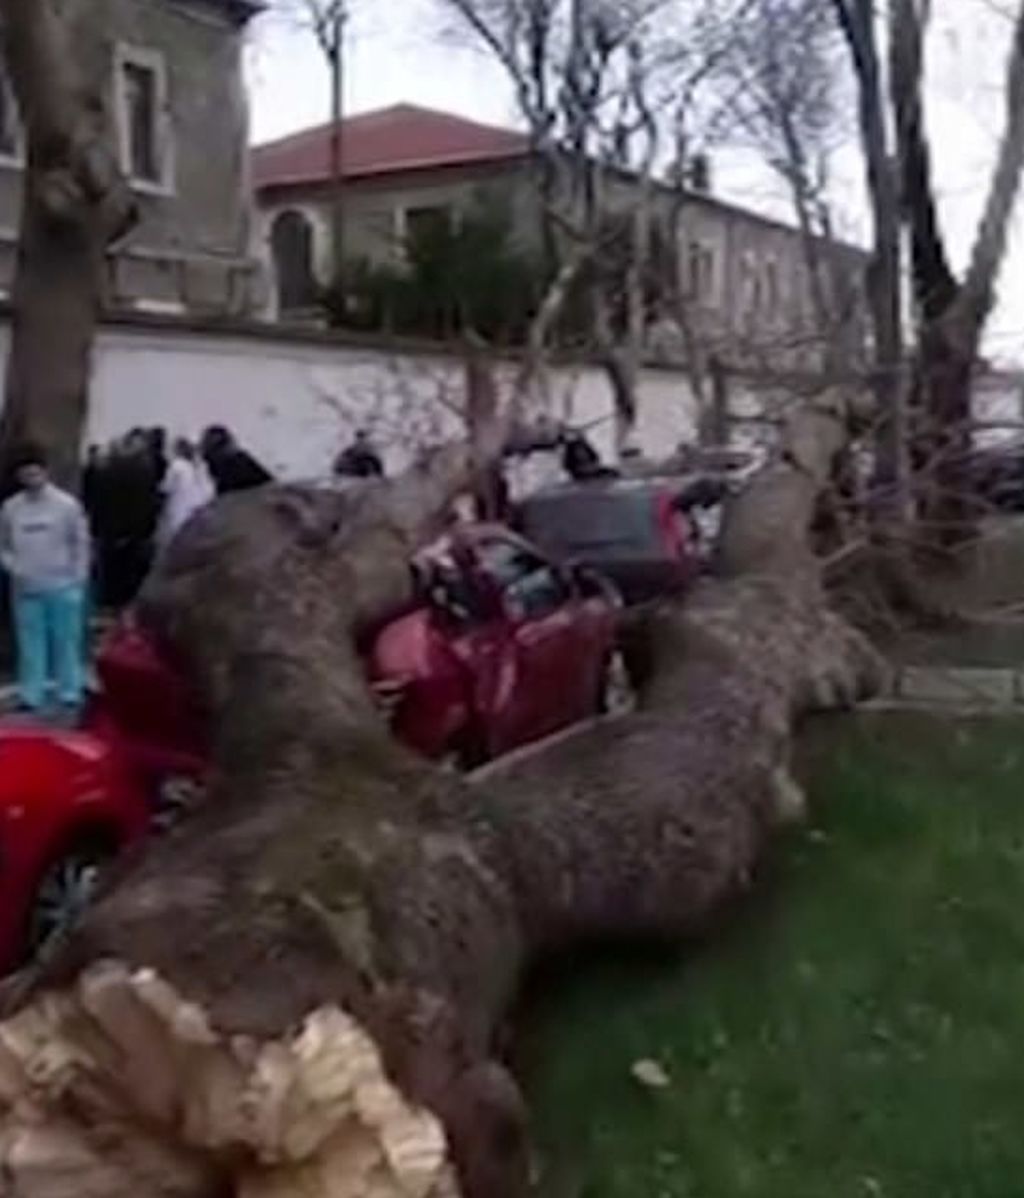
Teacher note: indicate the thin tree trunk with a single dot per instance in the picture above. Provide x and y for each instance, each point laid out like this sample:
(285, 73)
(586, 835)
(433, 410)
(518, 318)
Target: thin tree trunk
(338, 198)
(620, 364)
(810, 239)
(884, 291)
(715, 429)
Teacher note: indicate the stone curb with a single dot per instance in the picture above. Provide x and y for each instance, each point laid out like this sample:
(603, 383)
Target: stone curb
(957, 685)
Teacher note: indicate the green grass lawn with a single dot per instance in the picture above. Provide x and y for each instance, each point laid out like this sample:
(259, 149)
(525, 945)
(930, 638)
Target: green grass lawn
(855, 1030)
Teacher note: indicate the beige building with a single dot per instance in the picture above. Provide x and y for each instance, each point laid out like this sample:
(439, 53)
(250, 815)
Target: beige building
(745, 277)
(180, 123)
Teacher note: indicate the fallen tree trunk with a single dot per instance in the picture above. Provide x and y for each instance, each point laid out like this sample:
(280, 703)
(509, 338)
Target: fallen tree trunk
(300, 991)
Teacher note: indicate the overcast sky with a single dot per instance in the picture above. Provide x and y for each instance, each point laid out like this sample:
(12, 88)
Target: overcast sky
(406, 54)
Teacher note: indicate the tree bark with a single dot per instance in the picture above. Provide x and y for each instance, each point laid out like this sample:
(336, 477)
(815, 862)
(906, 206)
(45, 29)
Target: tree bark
(75, 203)
(215, 1024)
(335, 52)
(884, 290)
(952, 315)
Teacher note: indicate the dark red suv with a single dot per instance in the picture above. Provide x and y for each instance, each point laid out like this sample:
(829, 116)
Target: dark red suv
(639, 533)
(503, 647)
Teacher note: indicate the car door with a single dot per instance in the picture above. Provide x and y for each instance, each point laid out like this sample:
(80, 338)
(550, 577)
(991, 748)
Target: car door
(536, 690)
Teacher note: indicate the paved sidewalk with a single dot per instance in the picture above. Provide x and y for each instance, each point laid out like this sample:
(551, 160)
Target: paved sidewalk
(954, 688)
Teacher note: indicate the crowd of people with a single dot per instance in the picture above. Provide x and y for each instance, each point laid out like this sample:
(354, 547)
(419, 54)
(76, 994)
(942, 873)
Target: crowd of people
(63, 554)
(139, 491)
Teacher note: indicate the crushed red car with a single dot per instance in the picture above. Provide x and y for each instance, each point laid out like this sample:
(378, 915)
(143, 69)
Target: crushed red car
(505, 648)
(502, 647)
(68, 805)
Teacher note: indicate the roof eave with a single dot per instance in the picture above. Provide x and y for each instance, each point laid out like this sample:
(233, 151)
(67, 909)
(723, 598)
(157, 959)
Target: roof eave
(510, 158)
(239, 11)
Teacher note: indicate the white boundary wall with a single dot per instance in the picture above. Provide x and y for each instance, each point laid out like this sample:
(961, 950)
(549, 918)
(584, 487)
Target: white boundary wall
(295, 402)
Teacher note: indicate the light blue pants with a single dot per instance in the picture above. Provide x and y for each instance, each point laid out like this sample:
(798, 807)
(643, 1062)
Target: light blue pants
(49, 628)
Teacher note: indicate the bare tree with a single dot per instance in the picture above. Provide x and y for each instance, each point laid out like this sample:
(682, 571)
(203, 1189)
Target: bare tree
(785, 94)
(950, 313)
(76, 204)
(884, 284)
(328, 21)
(593, 79)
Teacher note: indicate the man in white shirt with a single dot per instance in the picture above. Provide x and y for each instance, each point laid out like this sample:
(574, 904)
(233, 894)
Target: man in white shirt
(187, 487)
(44, 547)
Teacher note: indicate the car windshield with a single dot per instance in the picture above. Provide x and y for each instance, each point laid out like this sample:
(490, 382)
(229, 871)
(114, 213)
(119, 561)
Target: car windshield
(591, 520)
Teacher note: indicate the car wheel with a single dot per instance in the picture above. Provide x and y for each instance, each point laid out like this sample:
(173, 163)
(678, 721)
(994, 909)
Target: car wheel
(64, 891)
(617, 695)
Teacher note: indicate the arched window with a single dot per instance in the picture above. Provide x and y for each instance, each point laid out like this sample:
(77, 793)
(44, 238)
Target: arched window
(291, 239)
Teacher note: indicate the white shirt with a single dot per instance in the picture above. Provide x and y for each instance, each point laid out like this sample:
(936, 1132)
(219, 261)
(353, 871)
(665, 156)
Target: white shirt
(187, 487)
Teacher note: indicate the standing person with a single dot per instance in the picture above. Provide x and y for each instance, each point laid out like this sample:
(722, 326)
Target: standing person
(132, 505)
(580, 459)
(187, 487)
(156, 446)
(231, 468)
(93, 500)
(360, 459)
(92, 482)
(44, 547)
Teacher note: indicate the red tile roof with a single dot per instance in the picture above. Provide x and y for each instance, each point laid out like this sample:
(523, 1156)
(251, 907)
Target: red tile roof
(401, 138)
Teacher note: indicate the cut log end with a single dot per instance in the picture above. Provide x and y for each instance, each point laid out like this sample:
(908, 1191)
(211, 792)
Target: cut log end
(120, 1087)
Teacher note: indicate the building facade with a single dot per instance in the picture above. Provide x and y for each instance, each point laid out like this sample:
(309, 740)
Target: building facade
(179, 120)
(743, 279)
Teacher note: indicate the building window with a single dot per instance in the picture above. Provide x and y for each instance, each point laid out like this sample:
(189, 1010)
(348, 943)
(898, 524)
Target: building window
(10, 123)
(702, 272)
(427, 225)
(291, 241)
(750, 285)
(772, 290)
(143, 127)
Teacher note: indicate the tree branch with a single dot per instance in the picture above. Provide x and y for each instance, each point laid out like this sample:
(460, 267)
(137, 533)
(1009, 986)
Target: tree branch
(989, 246)
(934, 282)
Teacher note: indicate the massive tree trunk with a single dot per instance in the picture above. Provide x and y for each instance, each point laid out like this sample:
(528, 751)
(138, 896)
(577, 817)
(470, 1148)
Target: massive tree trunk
(302, 989)
(75, 203)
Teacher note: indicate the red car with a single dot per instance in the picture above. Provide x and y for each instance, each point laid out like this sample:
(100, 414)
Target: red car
(67, 805)
(506, 648)
(503, 647)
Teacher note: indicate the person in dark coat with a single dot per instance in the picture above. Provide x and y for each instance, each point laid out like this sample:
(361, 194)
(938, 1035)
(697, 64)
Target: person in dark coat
(92, 484)
(231, 467)
(580, 460)
(125, 506)
(360, 459)
(156, 440)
